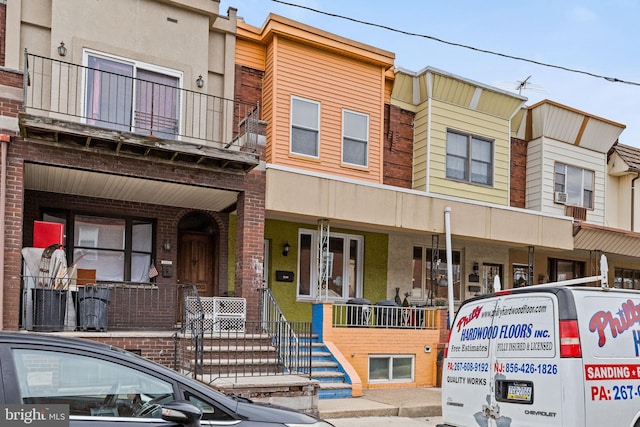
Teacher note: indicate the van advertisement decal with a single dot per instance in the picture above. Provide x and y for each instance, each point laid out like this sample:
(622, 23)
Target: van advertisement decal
(625, 317)
(615, 391)
(525, 329)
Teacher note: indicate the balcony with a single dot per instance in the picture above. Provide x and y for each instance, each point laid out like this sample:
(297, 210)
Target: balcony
(98, 111)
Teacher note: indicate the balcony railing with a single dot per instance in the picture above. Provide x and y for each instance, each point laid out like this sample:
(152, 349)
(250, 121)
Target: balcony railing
(108, 100)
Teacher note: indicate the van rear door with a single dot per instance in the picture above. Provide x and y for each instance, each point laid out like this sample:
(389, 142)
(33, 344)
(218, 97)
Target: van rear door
(466, 381)
(526, 365)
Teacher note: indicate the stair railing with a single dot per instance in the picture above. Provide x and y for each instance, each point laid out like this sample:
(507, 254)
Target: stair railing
(293, 353)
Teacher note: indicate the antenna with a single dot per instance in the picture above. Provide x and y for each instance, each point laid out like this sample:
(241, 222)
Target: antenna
(521, 85)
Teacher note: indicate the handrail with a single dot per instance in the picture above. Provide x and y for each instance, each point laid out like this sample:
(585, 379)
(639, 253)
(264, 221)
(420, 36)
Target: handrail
(288, 349)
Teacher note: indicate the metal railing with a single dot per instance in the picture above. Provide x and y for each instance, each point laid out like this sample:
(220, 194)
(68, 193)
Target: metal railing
(208, 349)
(120, 102)
(100, 306)
(379, 316)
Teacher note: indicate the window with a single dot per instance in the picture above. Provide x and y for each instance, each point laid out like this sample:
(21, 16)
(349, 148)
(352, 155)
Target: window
(344, 265)
(469, 158)
(577, 183)
(355, 138)
(132, 96)
(430, 273)
(118, 249)
(562, 269)
(90, 386)
(626, 278)
(397, 368)
(305, 127)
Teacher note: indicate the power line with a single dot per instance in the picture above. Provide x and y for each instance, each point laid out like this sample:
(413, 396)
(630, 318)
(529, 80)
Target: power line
(490, 52)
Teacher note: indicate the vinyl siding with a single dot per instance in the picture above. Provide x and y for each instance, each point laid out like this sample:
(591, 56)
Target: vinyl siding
(446, 116)
(250, 55)
(574, 156)
(336, 82)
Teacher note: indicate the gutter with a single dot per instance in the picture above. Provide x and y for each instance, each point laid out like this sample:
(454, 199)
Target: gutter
(633, 192)
(4, 141)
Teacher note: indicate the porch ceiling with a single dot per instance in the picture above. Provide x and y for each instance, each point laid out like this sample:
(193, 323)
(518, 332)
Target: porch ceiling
(93, 184)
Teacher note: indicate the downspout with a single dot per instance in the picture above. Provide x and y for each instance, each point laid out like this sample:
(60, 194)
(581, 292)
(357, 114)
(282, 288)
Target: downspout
(633, 199)
(428, 78)
(447, 229)
(4, 141)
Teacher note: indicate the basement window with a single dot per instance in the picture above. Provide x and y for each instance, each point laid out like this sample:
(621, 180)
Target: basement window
(391, 368)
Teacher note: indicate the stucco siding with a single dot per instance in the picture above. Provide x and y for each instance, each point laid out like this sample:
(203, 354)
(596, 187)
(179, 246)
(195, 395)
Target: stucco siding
(337, 83)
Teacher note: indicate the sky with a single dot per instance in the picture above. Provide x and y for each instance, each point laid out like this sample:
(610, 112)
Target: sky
(598, 37)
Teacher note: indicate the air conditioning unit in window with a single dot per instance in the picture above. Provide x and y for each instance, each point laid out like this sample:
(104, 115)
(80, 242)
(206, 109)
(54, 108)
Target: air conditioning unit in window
(560, 197)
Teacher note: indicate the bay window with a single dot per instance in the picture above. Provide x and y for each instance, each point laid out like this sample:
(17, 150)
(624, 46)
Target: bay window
(343, 265)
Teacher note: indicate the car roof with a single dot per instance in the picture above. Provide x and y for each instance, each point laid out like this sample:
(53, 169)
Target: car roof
(66, 341)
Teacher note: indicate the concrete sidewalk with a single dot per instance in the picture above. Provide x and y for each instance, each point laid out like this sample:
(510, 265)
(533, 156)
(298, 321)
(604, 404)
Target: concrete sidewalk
(388, 402)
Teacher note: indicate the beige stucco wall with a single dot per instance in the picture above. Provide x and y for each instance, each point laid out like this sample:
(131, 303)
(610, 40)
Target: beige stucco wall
(142, 30)
(315, 196)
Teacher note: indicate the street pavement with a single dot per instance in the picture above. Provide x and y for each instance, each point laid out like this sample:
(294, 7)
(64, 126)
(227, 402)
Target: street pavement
(386, 422)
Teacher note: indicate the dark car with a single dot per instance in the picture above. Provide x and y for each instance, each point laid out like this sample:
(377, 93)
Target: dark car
(105, 386)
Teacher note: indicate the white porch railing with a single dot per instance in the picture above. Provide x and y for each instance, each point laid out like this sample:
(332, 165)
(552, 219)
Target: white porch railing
(379, 316)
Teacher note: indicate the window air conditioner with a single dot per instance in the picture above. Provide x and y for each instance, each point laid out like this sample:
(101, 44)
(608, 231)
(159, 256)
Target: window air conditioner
(560, 197)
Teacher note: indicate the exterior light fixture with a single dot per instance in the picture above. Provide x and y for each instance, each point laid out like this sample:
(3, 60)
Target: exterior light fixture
(285, 249)
(200, 82)
(166, 245)
(62, 50)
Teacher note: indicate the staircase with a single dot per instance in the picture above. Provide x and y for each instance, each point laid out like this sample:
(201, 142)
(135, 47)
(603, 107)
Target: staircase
(334, 383)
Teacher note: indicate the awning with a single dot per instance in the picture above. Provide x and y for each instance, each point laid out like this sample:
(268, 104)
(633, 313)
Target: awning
(608, 240)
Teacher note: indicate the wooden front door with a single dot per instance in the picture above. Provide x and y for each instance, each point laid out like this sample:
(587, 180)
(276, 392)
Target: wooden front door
(196, 263)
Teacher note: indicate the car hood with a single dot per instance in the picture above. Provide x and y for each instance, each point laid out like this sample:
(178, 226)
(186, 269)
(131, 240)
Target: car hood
(266, 412)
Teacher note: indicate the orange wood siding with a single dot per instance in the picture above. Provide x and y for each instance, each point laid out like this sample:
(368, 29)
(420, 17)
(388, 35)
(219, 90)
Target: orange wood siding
(336, 82)
(267, 112)
(250, 55)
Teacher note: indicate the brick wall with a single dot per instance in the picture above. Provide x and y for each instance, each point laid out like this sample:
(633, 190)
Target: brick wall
(518, 190)
(398, 147)
(248, 85)
(3, 30)
(159, 349)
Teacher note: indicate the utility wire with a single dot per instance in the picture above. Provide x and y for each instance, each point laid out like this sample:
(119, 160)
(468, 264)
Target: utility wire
(490, 52)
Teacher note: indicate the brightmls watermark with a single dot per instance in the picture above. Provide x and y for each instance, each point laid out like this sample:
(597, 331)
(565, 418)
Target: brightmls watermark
(34, 415)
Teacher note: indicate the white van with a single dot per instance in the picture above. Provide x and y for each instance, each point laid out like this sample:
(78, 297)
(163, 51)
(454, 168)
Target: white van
(547, 355)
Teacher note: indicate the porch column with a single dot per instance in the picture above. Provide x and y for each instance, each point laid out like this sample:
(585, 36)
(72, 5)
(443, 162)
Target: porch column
(249, 243)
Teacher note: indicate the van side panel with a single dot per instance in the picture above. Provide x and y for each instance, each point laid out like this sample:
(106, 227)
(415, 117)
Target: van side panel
(610, 337)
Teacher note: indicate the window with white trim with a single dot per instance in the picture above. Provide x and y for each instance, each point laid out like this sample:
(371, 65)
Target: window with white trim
(305, 127)
(129, 95)
(345, 261)
(391, 368)
(577, 183)
(469, 158)
(355, 138)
